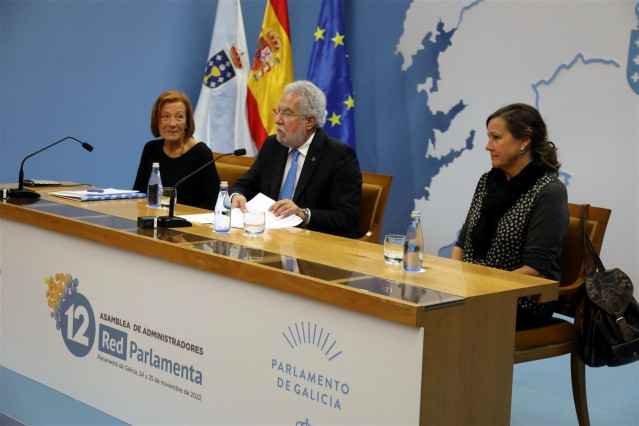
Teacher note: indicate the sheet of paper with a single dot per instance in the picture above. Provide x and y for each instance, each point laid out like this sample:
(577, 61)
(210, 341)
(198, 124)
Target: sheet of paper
(270, 221)
(203, 218)
(260, 203)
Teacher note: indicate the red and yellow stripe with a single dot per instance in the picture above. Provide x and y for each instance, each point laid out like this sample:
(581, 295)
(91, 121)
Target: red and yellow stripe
(272, 70)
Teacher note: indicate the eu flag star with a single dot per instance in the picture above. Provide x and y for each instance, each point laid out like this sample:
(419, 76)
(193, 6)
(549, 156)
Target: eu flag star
(319, 33)
(350, 102)
(338, 39)
(335, 119)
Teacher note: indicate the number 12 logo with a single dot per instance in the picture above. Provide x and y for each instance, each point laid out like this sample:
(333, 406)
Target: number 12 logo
(78, 324)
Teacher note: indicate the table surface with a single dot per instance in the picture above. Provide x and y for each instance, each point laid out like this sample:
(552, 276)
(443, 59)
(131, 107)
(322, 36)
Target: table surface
(350, 264)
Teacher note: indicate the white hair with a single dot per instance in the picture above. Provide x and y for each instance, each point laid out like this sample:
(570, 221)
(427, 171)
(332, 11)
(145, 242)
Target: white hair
(312, 101)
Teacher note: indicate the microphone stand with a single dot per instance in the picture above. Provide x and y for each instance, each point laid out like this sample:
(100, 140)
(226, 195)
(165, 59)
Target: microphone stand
(21, 192)
(172, 221)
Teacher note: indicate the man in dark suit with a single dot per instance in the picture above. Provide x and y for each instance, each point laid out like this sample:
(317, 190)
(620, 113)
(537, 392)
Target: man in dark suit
(325, 181)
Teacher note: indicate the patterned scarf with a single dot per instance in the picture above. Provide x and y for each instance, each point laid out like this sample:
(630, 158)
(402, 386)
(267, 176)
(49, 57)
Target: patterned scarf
(501, 195)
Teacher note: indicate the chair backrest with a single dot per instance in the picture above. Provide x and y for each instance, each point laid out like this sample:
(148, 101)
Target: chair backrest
(372, 207)
(230, 172)
(232, 159)
(368, 205)
(375, 190)
(230, 168)
(571, 262)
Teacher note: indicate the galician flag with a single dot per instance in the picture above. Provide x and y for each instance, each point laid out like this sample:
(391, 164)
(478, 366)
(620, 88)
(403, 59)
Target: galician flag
(328, 70)
(220, 115)
(272, 70)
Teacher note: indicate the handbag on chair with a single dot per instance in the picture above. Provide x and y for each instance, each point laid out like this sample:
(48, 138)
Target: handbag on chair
(610, 326)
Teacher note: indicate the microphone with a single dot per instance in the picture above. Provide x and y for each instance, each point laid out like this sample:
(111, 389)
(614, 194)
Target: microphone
(172, 221)
(20, 192)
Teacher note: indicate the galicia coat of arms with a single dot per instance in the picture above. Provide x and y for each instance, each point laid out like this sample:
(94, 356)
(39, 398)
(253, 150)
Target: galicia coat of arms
(221, 67)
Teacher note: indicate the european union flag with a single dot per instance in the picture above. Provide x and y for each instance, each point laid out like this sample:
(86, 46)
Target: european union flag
(328, 70)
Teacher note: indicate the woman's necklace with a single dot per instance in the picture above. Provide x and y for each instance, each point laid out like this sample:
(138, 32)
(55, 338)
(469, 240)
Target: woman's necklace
(177, 163)
(167, 150)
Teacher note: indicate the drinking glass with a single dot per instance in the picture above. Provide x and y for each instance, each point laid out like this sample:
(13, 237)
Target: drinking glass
(253, 223)
(394, 249)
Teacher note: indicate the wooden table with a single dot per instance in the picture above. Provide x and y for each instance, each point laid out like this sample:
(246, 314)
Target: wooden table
(467, 311)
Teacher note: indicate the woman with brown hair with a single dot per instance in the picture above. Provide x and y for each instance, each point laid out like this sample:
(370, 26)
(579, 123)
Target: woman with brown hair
(178, 153)
(519, 213)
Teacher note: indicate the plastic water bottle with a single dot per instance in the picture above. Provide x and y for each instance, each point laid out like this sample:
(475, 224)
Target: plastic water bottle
(414, 244)
(154, 189)
(222, 220)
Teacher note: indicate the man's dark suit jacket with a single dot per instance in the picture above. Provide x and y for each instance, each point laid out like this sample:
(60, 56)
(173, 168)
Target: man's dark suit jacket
(330, 184)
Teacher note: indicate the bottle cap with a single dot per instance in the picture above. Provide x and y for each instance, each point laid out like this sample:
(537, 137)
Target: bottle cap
(415, 213)
(224, 183)
(156, 165)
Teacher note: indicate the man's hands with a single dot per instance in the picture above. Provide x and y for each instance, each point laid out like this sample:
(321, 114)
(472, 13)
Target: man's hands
(283, 208)
(238, 201)
(286, 208)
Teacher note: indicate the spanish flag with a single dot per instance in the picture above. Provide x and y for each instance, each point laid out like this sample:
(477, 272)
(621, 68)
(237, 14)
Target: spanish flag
(272, 70)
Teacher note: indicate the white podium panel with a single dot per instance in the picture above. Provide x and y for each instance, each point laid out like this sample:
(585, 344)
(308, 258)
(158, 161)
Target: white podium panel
(154, 342)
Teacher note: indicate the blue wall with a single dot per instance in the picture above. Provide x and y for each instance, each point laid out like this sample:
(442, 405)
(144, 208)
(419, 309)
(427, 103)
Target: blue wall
(92, 70)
